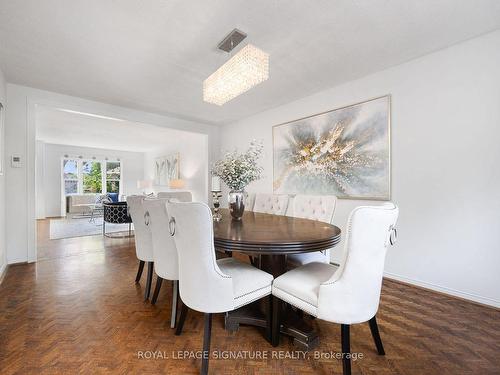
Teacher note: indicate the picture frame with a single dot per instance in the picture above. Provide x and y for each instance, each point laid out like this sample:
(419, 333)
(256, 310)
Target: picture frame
(166, 168)
(344, 152)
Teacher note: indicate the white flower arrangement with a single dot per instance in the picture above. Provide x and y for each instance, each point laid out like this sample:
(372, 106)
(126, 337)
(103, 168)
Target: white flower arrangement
(238, 170)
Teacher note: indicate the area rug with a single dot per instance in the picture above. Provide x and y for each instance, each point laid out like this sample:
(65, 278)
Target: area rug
(80, 227)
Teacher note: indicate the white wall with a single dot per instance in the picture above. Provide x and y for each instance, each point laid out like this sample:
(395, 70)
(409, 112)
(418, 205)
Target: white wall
(49, 192)
(40, 180)
(445, 154)
(193, 163)
(20, 139)
(3, 260)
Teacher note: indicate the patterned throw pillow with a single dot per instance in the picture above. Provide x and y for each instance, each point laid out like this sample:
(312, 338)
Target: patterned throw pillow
(102, 198)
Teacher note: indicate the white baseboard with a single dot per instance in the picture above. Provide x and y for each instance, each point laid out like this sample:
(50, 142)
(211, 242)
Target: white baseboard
(468, 296)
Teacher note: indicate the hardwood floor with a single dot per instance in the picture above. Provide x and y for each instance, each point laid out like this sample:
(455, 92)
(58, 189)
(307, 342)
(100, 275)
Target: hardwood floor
(78, 311)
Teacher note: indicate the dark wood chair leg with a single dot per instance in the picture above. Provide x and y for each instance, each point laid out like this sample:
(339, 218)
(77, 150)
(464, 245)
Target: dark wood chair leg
(276, 323)
(147, 290)
(139, 271)
(175, 294)
(159, 280)
(346, 349)
(182, 318)
(206, 344)
(269, 318)
(376, 336)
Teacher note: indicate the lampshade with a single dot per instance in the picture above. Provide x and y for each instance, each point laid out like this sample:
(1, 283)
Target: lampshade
(215, 183)
(176, 184)
(144, 184)
(246, 69)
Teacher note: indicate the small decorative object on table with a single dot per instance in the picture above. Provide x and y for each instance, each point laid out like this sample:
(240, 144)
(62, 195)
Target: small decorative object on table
(237, 171)
(216, 194)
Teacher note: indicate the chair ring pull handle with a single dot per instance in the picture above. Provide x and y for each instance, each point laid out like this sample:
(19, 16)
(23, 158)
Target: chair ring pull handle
(393, 237)
(171, 226)
(147, 218)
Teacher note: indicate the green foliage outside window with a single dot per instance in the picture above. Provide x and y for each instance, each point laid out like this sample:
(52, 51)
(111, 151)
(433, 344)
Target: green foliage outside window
(92, 177)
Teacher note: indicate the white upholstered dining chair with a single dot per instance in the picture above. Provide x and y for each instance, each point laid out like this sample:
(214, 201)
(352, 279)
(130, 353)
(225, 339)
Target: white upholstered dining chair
(250, 202)
(348, 294)
(181, 196)
(206, 284)
(166, 265)
(143, 240)
(313, 207)
(275, 204)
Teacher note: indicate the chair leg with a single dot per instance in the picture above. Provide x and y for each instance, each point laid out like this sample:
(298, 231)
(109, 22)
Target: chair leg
(147, 290)
(139, 271)
(206, 344)
(276, 323)
(182, 318)
(376, 336)
(269, 318)
(159, 280)
(175, 293)
(103, 228)
(346, 349)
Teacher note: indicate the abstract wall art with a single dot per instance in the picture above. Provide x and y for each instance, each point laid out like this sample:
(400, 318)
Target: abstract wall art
(166, 168)
(344, 152)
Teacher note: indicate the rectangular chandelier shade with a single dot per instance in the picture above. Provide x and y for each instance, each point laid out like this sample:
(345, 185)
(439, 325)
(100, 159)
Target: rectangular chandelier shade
(246, 69)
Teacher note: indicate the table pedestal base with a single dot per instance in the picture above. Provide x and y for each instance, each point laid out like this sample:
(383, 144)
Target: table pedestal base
(292, 324)
(251, 315)
(303, 334)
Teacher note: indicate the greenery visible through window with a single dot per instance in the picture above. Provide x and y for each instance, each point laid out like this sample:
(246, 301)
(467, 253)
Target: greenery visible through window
(91, 176)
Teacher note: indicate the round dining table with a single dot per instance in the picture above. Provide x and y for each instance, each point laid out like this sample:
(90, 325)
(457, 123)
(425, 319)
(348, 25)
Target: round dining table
(268, 239)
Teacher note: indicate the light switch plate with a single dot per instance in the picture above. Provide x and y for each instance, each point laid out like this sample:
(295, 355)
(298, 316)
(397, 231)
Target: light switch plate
(16, 161)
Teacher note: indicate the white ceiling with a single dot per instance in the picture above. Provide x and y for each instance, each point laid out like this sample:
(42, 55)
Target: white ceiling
(60, 126)
(154, 54)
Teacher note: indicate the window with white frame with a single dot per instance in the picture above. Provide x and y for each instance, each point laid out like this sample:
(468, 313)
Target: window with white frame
(113, 176)
(70, 175)
(90, 176)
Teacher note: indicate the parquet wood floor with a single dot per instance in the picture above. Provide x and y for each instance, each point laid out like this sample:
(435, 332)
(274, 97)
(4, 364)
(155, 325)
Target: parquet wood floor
(78, 311)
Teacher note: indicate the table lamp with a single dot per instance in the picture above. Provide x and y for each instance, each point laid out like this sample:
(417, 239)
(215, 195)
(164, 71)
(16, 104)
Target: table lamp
(176, 184)
(144, 184)
(216, 194)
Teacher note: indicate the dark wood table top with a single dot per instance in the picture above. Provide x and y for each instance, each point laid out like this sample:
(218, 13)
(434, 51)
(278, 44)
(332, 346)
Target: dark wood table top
(273, 234)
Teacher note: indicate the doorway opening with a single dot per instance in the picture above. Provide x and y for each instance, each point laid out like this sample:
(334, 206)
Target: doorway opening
(84, 160)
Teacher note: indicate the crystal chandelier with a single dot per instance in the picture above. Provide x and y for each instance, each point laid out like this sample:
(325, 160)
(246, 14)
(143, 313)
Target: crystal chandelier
(246, 69)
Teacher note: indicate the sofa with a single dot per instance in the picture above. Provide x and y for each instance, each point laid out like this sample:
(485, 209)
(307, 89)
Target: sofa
(73, 200)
